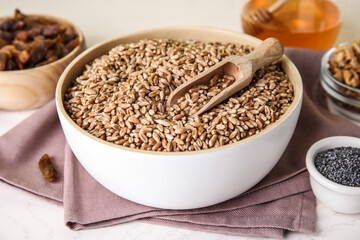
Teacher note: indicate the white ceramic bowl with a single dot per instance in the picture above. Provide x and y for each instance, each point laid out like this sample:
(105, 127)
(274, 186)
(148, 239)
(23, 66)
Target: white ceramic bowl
(338, 197)
(182, 180)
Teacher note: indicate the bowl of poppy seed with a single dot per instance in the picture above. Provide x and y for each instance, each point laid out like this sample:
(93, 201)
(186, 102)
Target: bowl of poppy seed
(111, 103)
(334, 167)
(34, 50)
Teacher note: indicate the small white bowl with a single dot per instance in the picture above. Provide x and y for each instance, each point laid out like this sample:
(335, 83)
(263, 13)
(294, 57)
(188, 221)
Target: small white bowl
(338, 197)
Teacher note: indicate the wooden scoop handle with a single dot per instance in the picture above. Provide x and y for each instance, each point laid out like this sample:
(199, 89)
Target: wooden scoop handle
(267, 52)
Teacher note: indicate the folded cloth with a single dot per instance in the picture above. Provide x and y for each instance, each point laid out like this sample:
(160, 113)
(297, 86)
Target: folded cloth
(281, 201)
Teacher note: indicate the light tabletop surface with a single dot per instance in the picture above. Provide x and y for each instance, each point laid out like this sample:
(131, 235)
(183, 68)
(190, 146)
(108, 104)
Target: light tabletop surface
(24, 216)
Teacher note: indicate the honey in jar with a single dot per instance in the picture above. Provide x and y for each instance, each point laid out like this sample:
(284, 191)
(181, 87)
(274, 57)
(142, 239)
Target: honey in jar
(313, 24)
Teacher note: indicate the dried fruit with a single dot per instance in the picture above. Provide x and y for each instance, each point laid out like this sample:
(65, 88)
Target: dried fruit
(47, 168)
(31, 41)
(345, 66)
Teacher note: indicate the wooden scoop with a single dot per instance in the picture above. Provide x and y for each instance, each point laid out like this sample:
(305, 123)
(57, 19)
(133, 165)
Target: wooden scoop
(241, 67)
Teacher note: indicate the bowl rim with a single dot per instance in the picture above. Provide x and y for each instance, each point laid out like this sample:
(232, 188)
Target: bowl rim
(285, 60)
(338, 96)
(325, 67)
(64, 58)
(322, 145)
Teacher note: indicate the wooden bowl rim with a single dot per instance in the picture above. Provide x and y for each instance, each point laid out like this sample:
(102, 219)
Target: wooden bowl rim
(297, 83)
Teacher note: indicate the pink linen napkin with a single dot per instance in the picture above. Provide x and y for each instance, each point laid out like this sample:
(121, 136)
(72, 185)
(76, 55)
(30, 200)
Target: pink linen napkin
(281, 201)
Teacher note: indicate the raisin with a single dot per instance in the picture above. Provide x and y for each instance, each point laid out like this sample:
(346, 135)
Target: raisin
(7, 25)
(22, 36)
(11, 64)
(37, 51)
(71, 45)
(47, 168)
(24, 56)
(3, 60)
(19, 25)
(21, 46)
(35, 31)
(51, 31)
(7, 36)
(3, 43)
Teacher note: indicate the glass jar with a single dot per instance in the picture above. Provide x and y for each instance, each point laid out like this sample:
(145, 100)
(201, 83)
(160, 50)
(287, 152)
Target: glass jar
(312, 24)
(342, 99)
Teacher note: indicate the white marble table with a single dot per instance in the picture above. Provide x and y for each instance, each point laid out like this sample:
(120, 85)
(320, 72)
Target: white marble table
(24, 216)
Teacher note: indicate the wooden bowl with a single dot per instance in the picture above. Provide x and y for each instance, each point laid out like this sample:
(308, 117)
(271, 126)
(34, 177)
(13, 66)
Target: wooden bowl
(33, 88)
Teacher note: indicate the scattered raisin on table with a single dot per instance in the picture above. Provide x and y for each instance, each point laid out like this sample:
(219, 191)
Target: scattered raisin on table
(47, 168)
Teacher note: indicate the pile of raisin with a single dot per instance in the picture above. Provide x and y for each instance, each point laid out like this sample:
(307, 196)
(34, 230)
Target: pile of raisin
(33, 41)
